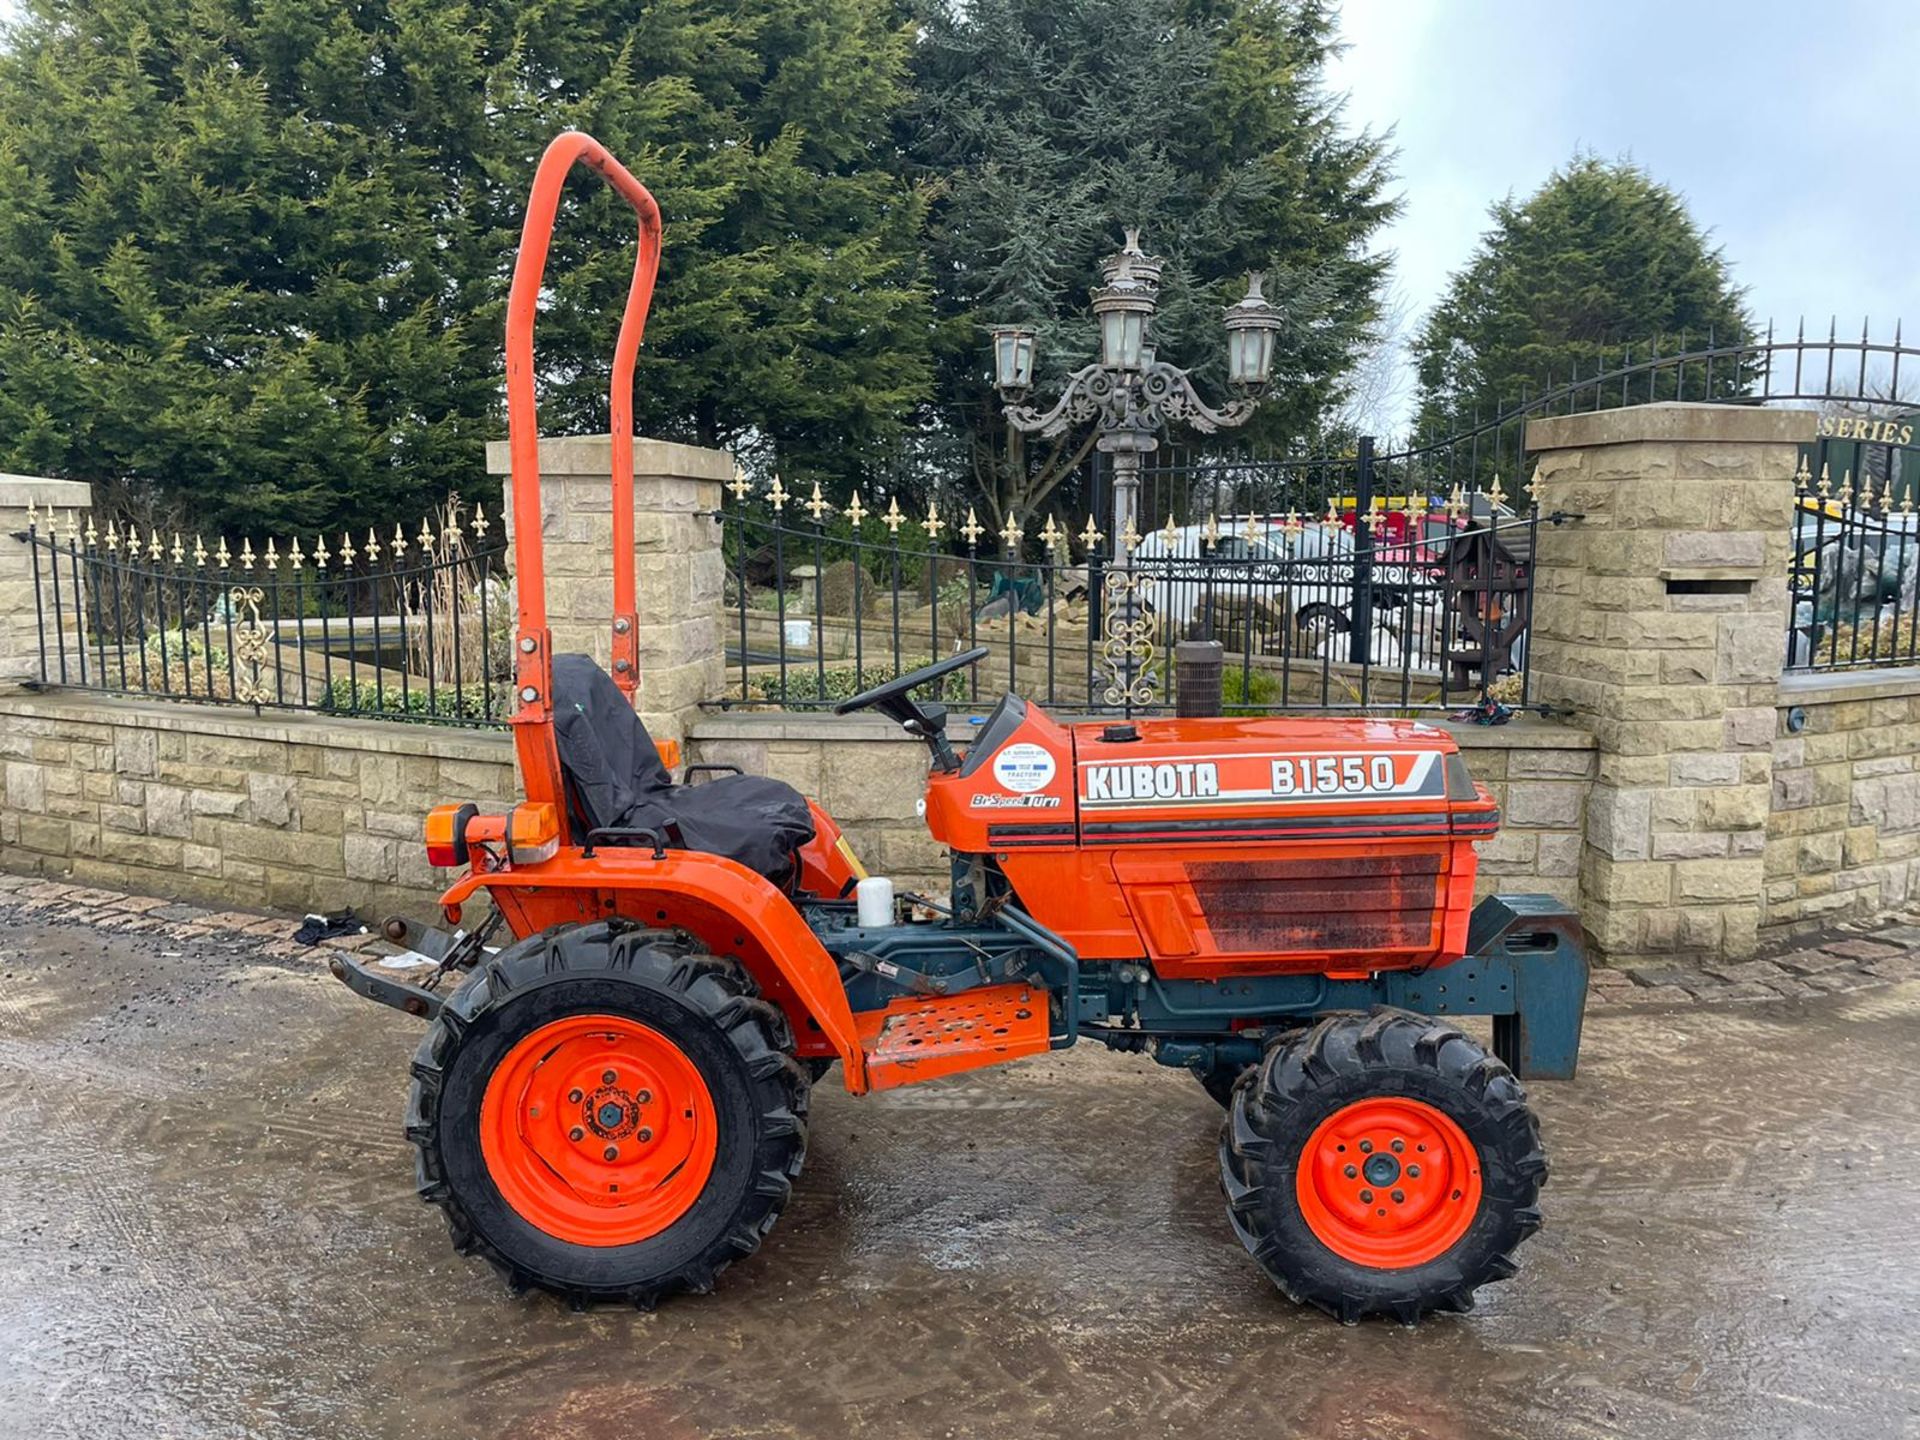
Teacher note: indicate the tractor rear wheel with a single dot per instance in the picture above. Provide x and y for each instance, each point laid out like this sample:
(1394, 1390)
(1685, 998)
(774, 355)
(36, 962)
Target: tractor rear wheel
(608, 1113)
(1382, 1164)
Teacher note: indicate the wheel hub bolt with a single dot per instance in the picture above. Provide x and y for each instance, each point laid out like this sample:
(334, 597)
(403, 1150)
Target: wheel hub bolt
(645, 1134)
(612, 1152)
(607, 1077)
(1366, 1147)
(1413, 1172)
(1399, 1197)
(574, 1097)
(1398, 1146)
(1366, 1197)
(645, 1097)
(576, 1133)
(1352, 1172)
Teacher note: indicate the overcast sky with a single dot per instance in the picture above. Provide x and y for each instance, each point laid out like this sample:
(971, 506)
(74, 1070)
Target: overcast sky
(1788, 126)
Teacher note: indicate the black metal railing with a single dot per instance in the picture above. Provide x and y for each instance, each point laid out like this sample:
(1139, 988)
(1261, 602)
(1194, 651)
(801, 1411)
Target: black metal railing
(1407, 604)
(405, 627)
(1854, 572)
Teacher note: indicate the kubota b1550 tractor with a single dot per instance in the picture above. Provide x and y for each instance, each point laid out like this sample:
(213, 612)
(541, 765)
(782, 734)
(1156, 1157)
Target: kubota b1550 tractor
(613, 1105)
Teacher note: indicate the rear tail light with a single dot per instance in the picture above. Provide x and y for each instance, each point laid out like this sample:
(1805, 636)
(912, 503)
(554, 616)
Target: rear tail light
(447, 834)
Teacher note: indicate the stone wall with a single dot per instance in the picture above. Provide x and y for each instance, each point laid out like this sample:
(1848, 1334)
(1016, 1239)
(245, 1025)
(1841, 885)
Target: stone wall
(21, 495)
(677, 562)
(1658, 623)
(1843, 830)
(307, 813)
(199, 803)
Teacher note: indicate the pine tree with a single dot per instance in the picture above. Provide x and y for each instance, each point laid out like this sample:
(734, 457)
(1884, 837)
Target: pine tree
(253, 253)
(1600, 261)
(1047, 127)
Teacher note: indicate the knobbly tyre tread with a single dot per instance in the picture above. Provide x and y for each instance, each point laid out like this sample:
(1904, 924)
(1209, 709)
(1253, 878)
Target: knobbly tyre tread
(1304, 1077)
(665, 963)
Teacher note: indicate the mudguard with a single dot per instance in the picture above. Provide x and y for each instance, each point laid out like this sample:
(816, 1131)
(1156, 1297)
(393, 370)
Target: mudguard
(734, 911)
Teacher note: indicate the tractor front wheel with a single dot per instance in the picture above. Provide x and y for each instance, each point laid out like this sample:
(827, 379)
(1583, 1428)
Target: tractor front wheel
(1382, 1164)
(608, 1113)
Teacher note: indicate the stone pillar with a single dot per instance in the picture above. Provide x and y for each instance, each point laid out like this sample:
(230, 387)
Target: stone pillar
(19, 623)
(1660, 620)
(679, 572)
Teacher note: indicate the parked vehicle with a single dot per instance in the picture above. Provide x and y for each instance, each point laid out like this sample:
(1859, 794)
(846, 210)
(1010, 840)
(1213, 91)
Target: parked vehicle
(614, 1104)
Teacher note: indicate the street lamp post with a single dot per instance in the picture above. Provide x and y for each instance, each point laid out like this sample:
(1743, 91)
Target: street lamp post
(1131, 397)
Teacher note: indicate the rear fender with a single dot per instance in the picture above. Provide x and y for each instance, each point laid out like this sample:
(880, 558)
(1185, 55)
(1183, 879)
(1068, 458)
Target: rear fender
(734, 911)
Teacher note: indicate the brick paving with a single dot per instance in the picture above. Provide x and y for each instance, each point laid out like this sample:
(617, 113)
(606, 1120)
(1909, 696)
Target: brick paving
(1852, 957)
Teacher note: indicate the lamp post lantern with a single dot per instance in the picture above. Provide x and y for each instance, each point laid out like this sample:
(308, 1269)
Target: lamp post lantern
(1131, 396)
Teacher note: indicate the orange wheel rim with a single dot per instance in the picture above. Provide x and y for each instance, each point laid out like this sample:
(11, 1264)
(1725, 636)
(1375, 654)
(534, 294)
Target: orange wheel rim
(1389, 1183)
(598, 1130)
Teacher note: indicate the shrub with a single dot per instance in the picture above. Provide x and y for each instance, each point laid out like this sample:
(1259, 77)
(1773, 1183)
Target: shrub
(804, 683)
(386, 700)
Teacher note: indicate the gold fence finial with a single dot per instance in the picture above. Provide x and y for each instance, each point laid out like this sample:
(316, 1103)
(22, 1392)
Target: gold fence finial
(112, 537)
(222, 557)
(1130, 537)
(154, 549)
(179, 551)
(973, 529)
(1210, 535)
(1825, 487)
(1171, 534)
(1013, 532)
(346, 548)
(92, 535)
(246, 554)
(818, 506)
(199, 551)
(425, 537)
(1293, 524)
(1802, 477)
(397, 547)
(1092, 535)
(480, 521)
(1051, 535)
(372, 547)
(893, 518)
(1536, 487)
(272, 557)
(320, 554)
(933, 524)
(295, 557)
(777, 494)
(856, 512)
(740, 485)
(1496, 495)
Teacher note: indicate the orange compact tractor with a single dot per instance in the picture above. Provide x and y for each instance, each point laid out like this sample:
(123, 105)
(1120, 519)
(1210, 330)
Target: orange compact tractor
(612, 1105)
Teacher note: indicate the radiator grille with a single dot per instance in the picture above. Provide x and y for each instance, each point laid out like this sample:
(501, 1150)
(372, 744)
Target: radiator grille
(1361, 902)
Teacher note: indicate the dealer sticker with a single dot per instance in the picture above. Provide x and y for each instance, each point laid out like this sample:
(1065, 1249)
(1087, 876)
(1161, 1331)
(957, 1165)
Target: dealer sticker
(1024, 767)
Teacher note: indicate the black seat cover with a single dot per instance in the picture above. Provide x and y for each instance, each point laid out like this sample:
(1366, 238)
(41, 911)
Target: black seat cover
(615, 780)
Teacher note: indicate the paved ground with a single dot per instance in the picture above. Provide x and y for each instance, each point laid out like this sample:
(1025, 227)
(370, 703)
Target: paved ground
(208, 1229)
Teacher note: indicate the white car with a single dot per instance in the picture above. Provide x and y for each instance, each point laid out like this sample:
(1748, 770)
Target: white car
(1278, 576)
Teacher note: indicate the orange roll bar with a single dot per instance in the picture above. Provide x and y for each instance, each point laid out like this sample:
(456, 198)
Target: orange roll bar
(533, 660)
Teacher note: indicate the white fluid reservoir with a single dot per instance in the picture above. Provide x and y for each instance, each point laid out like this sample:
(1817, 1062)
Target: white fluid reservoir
(874, 899)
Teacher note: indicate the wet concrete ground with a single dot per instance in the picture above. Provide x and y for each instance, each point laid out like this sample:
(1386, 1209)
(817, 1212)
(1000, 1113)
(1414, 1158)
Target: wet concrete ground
(208, 1229)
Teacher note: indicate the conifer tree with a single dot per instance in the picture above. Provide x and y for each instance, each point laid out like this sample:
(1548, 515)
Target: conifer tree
(1048, 126)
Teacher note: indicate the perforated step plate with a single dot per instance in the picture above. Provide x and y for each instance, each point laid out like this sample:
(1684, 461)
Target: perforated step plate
(929, 1036)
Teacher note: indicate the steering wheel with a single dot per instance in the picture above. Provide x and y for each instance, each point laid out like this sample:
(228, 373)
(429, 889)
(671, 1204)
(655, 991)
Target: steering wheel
(929, 721)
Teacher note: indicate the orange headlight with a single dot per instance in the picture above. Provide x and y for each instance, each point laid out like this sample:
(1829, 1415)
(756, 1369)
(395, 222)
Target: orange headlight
(533, 833)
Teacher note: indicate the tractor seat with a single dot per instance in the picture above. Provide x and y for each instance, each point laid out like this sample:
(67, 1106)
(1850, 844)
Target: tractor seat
(615, 781)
